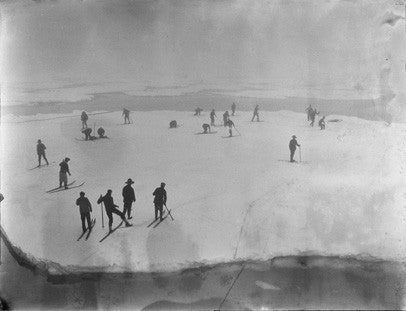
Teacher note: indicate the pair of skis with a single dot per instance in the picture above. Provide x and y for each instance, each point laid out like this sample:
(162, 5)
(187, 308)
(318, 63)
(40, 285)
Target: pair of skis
(88, 230)
(69, 186)
(155, 223)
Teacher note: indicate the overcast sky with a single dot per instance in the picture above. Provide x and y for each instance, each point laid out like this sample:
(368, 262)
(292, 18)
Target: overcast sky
(283, 43)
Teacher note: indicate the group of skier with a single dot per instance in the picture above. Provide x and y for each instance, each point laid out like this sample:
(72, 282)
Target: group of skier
(85, 207)
(311, 116)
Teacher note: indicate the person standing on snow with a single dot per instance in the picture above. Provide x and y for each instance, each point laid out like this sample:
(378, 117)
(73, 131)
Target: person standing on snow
(225, 117)
(41, 152)
(292, 147)
(230, 125)
(159, 200)
(128, 198)
(85, 209)
(84, 119)
(309, 111)
(126, 114)
(313, 116)
(111, 209)
(212, 115)
(255, 114)
(64, 170)
(233, 106)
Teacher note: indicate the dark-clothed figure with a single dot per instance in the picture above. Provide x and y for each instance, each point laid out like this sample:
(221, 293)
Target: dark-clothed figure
(111, 209)
(233, 106)
(322, 124)
(309, 111)
(84, 119)
(41, 152)
(255, 114)
(126, 114)
(292, 147)
(64, 170)
(225, 118)
(206, 128)
(85, 209)
(159, 200)
(173, 124)
(230, 125)
(128, 198)
(212, 116)
(101, 132)
(313, 116)
(1, 197)
(87, 132)
(198, 111)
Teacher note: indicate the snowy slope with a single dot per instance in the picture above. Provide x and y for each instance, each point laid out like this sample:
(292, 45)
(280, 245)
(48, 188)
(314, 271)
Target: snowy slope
(232, 198)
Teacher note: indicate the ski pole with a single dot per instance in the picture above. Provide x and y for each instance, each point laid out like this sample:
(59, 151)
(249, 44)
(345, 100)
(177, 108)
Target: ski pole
(101, 208)
(300, 154)
(169, 212)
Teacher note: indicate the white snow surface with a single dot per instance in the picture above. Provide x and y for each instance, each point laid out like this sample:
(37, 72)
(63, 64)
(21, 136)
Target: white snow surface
(232, 198)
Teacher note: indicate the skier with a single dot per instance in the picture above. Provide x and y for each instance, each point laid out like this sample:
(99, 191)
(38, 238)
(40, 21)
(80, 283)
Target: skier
(212, 115)
(84, 119)
(198, 111)
(233, 106)
(41, 152)
(225, 117)
(292, 147)
(126, 114)
(111, 209)
(85, 209)
(128, 198)
(313, 116)
(206, 128)
(63, 178)
(230, 125)
(322, 124)
(255, 114)
(173, 124)
(101, 132)
(87, 132)
(159, 200)
(309, 111)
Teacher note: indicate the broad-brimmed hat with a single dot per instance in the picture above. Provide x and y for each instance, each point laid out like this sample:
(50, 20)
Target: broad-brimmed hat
(129, 181)
(294, 136)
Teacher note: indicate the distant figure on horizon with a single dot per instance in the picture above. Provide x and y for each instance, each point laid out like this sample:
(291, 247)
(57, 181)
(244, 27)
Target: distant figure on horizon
(128, 198)
(111, 209)
(198, 111)
(230, 125)
(212, 116)
(292, 147)
(255, 114)
(41, 152)
(309, 111)
(322, 124)
(159, 200)
(225, 117)
(233, 106)
(173, 124)
(126, 114)
(206, 128)
(85, 208)
(64, 170)
(313, 114)
(101, 132)
(84, 119)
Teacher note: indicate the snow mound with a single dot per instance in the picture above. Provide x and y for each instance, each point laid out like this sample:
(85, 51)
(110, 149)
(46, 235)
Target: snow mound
(232, 199)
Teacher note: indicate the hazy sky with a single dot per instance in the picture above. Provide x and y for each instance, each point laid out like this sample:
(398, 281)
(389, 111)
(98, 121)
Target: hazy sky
(325, 44)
